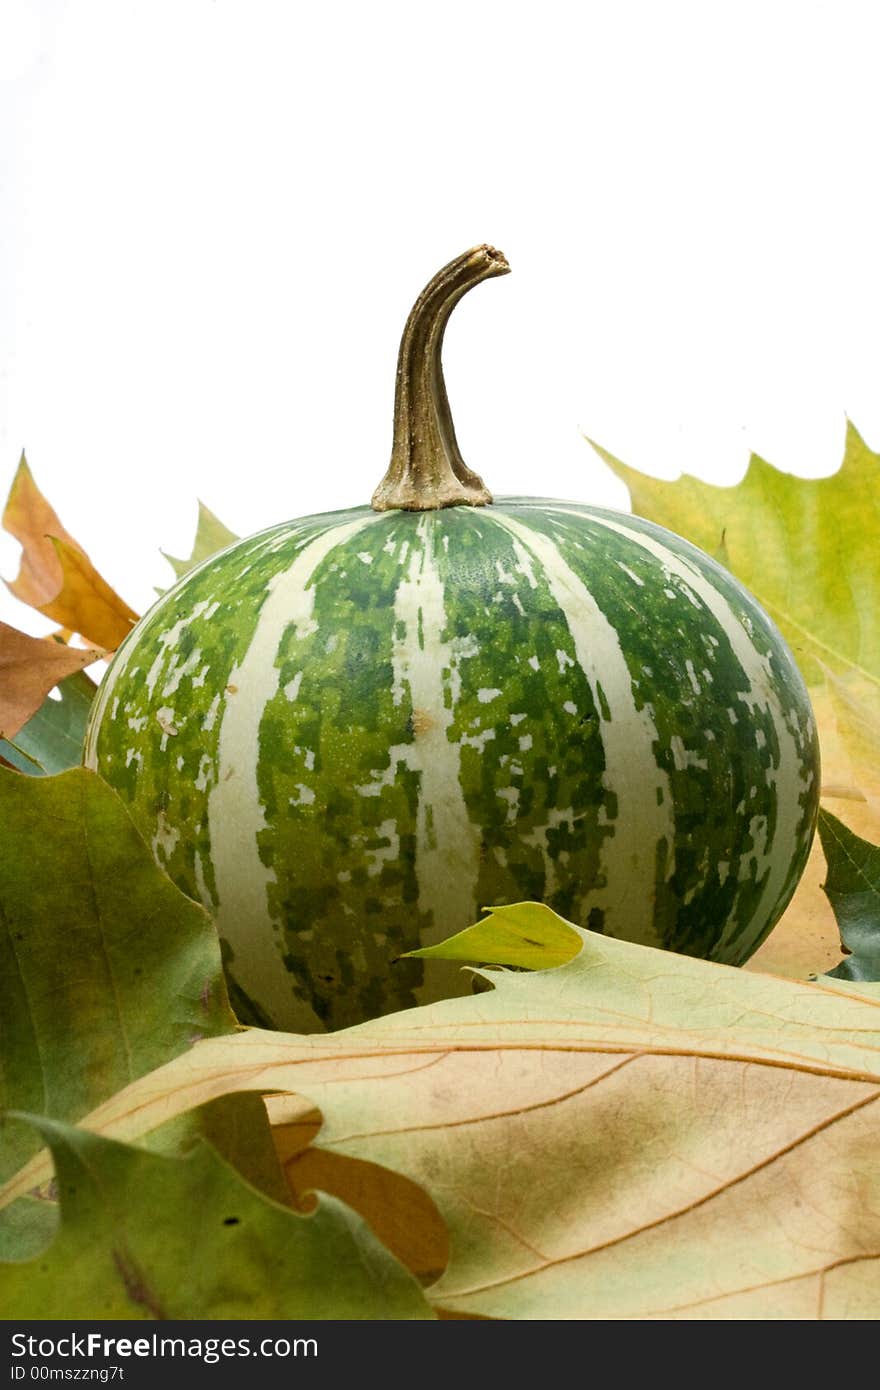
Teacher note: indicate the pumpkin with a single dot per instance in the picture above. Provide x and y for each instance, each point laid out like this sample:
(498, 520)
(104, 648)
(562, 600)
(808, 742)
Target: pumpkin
(349, 733)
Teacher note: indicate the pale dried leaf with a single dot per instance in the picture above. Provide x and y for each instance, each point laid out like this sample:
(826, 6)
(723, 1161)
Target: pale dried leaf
(856, 710)
(632, 1135)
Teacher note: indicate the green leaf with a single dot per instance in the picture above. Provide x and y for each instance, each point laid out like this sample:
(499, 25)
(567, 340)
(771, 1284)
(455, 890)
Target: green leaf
(237, 1126)
(106, 969)
(27, 1227)
(147, 1236)
(13, 756)
(853, 889)
(211, 536)
(802, 546)
(52, 739)
(527, 936)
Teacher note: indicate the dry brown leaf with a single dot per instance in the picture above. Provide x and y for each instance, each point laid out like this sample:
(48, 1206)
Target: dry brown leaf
(29, 668)
(86, 603)
(56, 576)
(399, 1210)
(632, 1135)
(29, 517)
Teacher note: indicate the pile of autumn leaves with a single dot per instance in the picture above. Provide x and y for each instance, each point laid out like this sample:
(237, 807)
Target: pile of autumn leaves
(613, 1132)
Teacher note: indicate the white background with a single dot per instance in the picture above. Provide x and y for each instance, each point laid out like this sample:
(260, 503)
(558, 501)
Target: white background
(216, 215)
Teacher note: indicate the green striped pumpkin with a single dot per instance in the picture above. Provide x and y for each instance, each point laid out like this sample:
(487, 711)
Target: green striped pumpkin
(348, 734)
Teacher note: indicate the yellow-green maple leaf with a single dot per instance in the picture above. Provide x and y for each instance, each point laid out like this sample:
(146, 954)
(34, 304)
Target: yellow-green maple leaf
(808, 549)
(211, 536)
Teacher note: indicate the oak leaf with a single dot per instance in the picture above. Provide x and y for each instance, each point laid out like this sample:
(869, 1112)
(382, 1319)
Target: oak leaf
(52, 739)
(106, 968)
(56, 575)
(127, 1245)
(29, 668)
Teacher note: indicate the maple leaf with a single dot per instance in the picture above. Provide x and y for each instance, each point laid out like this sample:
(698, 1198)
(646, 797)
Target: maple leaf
(806, 548)
(211, 536)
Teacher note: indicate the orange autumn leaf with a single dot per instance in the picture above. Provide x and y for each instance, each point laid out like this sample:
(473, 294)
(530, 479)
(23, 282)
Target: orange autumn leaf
(85, 602)
(30, 518)
(29, 668)
(55, 575)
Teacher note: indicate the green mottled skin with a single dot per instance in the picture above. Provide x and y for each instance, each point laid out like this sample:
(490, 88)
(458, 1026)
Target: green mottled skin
(339, 936)
(345, 714)
(564, 766)
(159, 785)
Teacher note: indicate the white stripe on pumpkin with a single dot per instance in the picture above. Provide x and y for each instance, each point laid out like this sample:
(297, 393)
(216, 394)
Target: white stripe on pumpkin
(789, 778)
(447, 844)
(629, 855)
(235, 812)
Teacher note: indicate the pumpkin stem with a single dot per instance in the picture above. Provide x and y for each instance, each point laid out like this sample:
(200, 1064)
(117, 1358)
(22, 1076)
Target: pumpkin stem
(426, 469)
